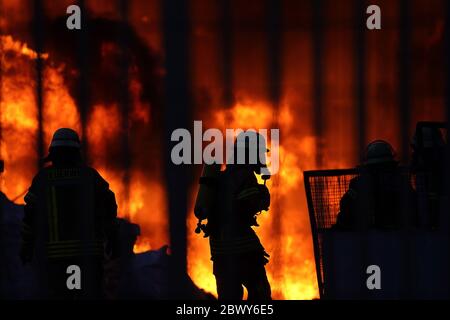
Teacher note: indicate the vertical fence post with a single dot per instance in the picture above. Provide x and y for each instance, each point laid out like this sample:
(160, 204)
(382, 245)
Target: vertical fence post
(274, 12)
(87, 214)
(227, 51)
(39, 220)
(38, 34)
(124, 99)
(360, 79)
(360, 114)
(404, 77)
(318, 62)
(83, 86)
(176, 115)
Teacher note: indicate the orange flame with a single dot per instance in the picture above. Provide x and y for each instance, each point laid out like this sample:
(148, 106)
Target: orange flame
(146, 203)
(19, 113)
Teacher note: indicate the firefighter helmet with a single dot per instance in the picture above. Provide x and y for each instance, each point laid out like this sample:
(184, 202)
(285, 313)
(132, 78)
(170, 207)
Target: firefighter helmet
(65, 137)
(430, 137)
(251, 140)
(250, 148)
(379, 151)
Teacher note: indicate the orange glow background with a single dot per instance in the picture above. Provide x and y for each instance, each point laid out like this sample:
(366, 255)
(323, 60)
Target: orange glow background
(285, 229)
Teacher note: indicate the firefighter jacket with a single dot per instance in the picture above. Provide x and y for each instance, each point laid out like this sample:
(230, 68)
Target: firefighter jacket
(239, 199)
(69, 212)
(381, 200)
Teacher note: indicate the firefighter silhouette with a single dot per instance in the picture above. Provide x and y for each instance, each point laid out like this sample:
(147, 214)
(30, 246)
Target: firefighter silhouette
(428, 164)
(381, 196)
(70, 219)
(231, 200)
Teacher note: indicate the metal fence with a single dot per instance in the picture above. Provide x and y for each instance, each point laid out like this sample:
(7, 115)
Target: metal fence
(417, 243)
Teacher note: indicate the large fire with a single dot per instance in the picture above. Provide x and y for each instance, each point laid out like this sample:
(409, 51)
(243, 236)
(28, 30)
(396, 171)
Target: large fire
(234, 64)
(291, 269)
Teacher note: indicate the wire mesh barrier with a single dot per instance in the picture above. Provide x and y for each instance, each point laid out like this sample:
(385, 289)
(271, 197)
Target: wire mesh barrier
(327, 188)
(324, 189)
(404, 235)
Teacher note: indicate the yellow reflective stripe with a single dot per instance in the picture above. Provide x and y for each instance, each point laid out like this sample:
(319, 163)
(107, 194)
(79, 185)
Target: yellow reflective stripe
(73, 250)
(72, 242)
(252, 189)
(68, 245)
(89, 245)
(248, 247)
(231, 242)
(54, 251)
(63, 242)
(236, 245)
(68, 241)
(234, 239)
(235, 250)
(66, 255)
(75, 246)
(247, 193)
(62, 174)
